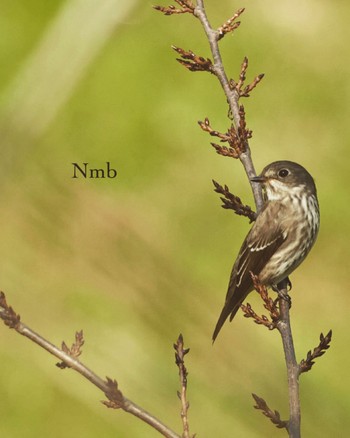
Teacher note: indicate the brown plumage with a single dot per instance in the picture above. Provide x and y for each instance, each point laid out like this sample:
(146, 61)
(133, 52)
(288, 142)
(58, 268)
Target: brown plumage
(281, 237)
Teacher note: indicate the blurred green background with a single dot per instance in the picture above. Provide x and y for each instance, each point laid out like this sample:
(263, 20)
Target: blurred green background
(134, 261)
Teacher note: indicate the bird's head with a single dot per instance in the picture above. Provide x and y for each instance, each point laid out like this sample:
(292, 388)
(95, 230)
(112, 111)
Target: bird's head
(285, 178)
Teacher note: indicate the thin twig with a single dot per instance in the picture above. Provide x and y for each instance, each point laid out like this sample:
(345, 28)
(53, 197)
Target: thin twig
(230, 25)
(269, 304)
(192, 61)
(75, 350)
(306, 364)
(274, 416)
(232, 95)
(236, 138)
(248, 312)
(180, 353)
(68, 357)
(186, 6)
(233, 202)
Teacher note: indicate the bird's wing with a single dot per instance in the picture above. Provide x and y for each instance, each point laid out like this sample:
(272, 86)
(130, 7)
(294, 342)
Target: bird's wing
(263, 240)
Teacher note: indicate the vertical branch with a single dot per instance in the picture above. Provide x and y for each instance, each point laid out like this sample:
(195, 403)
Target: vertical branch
(231, 94)
(284, 327)
(236, 145)
(180, 353)
(213, 38)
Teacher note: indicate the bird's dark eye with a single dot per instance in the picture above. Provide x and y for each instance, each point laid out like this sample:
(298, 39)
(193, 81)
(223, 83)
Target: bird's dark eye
(283, 173)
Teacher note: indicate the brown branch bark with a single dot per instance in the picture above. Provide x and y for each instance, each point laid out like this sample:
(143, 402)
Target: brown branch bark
(284, 327)
(108, 387)
(180, 353)
(232, 95)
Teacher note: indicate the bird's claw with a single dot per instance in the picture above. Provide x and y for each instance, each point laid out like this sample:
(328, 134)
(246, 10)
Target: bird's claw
(283, 294)
(282, 290)
(288, 284)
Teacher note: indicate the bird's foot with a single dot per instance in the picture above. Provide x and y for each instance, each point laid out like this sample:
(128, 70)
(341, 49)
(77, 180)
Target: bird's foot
(283, 294)
(282, 290)
(287, 284)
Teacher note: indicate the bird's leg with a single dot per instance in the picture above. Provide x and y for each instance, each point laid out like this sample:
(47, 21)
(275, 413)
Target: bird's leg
(282, 289)
(287, 284)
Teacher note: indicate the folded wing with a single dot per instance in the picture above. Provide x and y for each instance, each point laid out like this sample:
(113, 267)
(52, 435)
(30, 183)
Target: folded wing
(263, 240)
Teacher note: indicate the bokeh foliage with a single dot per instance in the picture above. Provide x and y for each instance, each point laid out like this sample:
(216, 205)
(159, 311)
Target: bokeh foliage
(136, 260)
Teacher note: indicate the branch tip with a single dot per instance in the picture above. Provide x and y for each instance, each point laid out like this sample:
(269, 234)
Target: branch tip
(244, 92)
(236, 138)
(192, 61)
(230, 25)
(74, 351)
(233, 202)
(324, 344)
(114, 395)
(186, 6)
(274, 416)
(7, 314)
(180, 353)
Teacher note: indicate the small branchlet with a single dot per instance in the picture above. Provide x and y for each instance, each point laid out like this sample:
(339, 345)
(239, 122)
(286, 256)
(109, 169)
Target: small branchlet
(274, 416)
(243, 132)
(192, 61)
(237, 139)
(75, 351)
(269, 304)
(233, 202)
(224, 150)
(114, 395)
(230, 25)
(180, 353)
(306, 364)
(244, 92)
(207, 128)
(7, 314)
(186, 6)
(248, 312)
(250, 87)
(242, 77)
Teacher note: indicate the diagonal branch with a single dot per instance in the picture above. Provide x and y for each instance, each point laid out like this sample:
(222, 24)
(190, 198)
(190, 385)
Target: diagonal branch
(67, 357)
(230, 25)
(233, 202)
(274, 416)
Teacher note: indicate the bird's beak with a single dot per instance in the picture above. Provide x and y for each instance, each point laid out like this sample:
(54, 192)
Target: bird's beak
(259, 179)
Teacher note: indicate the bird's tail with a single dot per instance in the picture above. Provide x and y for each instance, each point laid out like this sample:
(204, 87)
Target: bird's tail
(226, 311)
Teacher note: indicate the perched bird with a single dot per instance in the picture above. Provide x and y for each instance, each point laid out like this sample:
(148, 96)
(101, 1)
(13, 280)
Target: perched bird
(281, 237)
